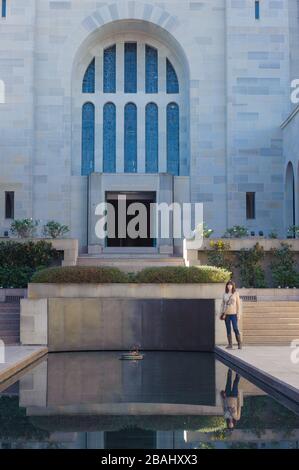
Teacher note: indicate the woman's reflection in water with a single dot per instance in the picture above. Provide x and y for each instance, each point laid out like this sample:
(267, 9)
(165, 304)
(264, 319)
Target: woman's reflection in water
(231, 400)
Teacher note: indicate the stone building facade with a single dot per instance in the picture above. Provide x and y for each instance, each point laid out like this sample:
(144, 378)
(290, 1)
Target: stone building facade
(175, 100)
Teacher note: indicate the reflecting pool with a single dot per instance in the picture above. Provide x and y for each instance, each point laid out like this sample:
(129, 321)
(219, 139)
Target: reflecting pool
(169, 400)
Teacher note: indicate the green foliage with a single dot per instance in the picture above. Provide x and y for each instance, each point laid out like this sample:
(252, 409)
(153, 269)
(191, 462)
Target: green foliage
(237, 231)
(263, 412)
(14, 424)
(251, 272)
(283, 269)
(80, 274)
(168, 274)
(181, 275)
(211, 424)
(273, 234)
(24, 228)
(54, 229)
(220, 256)
(293, 231)
(18, 261)
(30, 254)
(16, 277)
(207, 232)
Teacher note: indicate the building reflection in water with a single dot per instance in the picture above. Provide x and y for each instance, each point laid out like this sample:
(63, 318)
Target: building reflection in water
(168, 400)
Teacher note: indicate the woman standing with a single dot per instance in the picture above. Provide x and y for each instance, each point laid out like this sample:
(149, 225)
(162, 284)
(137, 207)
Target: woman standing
(231, 313)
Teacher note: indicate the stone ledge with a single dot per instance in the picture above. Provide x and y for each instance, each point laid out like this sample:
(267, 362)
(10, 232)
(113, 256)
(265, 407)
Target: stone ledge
(19, 357)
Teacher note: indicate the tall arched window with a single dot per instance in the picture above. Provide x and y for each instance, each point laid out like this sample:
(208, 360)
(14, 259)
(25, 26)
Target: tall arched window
(88, 127)
(151, 138)
(88, 85)
(109, 138)
(130, 144)
(140, 69)
(173, 140)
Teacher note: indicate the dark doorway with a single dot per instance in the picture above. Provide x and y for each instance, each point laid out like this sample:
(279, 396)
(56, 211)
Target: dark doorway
(119, 237)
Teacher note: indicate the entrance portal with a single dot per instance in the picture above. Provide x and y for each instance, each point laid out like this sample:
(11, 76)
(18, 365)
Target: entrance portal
(119, 234)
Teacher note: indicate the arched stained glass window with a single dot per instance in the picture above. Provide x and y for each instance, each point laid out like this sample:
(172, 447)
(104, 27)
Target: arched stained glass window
(151, 138)
(88, 85)
(173, 139)
(130, 67)
(130, 144)
(109, 79)
(172, 83)
(88, 125)
(109, 138)
(151, 69)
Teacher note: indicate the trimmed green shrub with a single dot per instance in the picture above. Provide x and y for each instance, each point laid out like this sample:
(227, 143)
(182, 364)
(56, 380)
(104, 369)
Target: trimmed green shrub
(80, 275)
(181, 275)
(168, 274)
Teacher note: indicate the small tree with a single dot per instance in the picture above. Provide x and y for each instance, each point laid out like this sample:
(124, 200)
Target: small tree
(219, 255)
(24, 228)
(293, 231)
(283, 269)
(53, 229)
(251, 272)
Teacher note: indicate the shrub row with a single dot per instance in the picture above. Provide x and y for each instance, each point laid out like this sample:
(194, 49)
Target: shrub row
(19, 261)
(104, 275)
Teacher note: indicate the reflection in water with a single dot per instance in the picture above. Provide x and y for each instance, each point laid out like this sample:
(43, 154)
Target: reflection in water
(169, 400)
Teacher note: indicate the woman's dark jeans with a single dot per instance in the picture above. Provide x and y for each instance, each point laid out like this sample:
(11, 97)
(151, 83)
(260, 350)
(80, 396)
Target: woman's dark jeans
(234, 320)
(232, 391)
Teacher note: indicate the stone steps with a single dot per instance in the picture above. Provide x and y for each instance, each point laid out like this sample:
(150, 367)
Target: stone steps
(270, 323)
(131, 263)
(10, 322)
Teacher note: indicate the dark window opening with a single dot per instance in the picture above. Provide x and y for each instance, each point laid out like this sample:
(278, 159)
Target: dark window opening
(9, 204)
(3, 9)
(250, 205)
(257, 10)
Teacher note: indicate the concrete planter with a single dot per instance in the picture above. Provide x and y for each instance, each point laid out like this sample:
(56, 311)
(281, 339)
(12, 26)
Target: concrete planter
(76, 317)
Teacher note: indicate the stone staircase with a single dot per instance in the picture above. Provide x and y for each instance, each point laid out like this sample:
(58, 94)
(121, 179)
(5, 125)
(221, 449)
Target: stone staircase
(130, 262)
(270, 322)
(10, 322)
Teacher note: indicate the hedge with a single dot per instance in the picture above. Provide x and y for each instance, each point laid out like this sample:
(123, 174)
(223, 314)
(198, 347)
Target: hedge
(183, 275)
(19, 261)
(104, 275)
(80, 275)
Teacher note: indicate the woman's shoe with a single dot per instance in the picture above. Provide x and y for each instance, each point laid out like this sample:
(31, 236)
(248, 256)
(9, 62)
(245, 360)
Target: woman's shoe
(238, 338)
(230, 342)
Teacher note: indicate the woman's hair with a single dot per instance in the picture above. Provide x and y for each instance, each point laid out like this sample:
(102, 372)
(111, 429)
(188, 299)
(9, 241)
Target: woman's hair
(233, 286)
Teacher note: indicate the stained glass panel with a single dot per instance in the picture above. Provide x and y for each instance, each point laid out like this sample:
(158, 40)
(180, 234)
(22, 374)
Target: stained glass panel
(130, 144)
(151, 138)
(173, 139)
(109, 138)
(88, 85)
(109, 79)
(88, 124)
